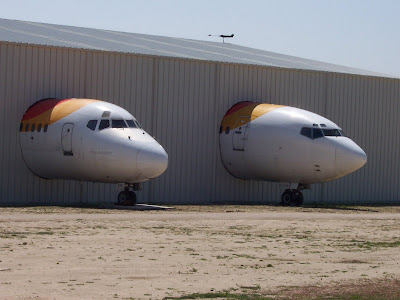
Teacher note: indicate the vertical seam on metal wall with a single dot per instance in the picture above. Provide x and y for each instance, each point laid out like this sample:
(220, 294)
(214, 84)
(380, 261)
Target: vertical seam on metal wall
(5, 189)
(153, 108)
(326, 82)
(85, 71)
(213, 190)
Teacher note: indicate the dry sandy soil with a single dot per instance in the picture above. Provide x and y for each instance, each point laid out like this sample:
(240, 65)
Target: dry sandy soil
(235, 252)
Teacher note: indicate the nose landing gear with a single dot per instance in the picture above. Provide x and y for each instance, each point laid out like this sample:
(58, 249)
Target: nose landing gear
(127, 197)
(293, 197)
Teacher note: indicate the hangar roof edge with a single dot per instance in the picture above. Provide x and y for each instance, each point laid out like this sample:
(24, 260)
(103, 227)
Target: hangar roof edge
(27, 32)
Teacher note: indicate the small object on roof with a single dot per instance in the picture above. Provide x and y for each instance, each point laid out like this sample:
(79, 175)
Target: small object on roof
(223, 36)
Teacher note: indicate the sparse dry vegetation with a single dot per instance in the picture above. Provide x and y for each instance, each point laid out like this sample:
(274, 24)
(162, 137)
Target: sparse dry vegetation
(201, 252)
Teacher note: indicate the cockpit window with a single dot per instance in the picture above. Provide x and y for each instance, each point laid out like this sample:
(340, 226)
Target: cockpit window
(106, 114)
(317, 133)
(311, 133)
(104, 124)
(306, 132)
(131, 123)
(92, 124)
(137, 124)
(331, 132)
(118, 124)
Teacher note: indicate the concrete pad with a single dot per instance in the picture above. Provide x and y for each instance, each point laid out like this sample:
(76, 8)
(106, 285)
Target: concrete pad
(141, 207)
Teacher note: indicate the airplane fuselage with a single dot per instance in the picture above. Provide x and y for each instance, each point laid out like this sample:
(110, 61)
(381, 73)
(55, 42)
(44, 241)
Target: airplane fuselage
(285, 144)
(89, 140)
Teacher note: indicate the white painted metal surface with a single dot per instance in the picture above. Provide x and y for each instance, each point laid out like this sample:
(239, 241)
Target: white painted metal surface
(285, 144)
(66, 138)
(181, 103)
(114, 150)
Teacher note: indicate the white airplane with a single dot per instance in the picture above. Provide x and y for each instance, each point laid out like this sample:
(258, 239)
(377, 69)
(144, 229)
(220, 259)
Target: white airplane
(89, 140)
(285, 144)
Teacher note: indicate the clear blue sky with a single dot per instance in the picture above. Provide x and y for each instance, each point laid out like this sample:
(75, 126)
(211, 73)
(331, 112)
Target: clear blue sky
(356, 33)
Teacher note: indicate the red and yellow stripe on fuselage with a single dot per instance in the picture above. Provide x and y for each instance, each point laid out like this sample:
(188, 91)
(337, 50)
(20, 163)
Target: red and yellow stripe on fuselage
(252, 110)
(49, 111)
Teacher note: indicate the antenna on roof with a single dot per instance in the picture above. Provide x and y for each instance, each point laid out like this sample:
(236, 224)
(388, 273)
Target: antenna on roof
(223, 36)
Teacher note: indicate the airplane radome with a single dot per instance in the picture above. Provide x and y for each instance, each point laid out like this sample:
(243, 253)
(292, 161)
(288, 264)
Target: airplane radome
(89, 140)
(285, 144)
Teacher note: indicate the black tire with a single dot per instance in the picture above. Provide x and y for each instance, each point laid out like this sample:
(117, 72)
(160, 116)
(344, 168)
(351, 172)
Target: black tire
(298, 198)
(123, 197)
(287, 198)
(132, 197)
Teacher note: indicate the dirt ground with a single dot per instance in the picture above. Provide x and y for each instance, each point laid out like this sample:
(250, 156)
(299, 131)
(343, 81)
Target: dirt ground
(233, 252)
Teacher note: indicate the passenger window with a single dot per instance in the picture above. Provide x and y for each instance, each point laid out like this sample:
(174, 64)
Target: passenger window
(131, 123)
(27, 127)
(104, 124)
(317, 133)
(306, 131)
(227, 130)
(118, 124)
(33, 127)
(39, 127)
(92, 124)
(45, 127)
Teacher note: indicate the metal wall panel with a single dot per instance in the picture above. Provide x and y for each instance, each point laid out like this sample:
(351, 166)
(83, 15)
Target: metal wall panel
(368, 111)
(183, 108)
(27, 75)
(181, 103)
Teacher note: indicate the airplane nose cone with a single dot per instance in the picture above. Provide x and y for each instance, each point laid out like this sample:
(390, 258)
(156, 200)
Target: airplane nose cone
(349, 157)
(152, 161)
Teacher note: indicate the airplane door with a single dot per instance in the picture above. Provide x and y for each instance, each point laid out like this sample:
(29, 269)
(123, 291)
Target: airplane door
(240, 133)
(66, 139)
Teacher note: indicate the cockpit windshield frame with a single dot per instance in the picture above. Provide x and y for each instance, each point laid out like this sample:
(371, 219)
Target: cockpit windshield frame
(317, 132)
(332, 132)
(104, 124)
(114, 123)
(118, 123)
(131, 123)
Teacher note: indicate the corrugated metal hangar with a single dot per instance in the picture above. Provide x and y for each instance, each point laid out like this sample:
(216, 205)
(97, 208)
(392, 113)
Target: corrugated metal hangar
(180, 90)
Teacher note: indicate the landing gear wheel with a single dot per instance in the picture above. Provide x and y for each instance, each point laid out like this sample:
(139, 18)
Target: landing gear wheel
(128, 196)
(287, 198)
(132, 198)
(123, 197)
(298, 198)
